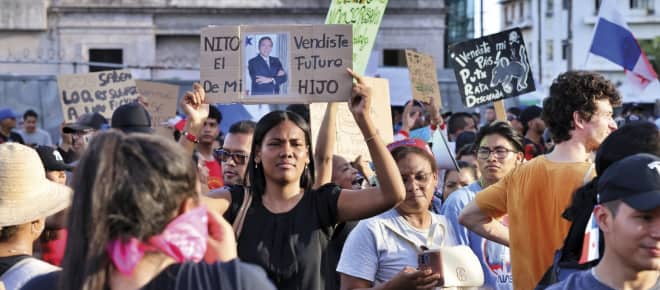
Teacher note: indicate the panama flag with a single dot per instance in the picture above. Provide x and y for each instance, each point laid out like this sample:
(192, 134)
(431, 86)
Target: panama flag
(590, 243)
(614, 41)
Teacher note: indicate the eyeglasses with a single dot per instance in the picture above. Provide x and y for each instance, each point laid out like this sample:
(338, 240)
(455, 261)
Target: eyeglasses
(500, 152)
(420, 177)
(239, 158)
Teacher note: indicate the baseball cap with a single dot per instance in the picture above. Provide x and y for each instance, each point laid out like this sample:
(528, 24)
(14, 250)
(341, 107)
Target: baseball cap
(412, 142)
(635, 180)
(7, 113)
(52, 159)
(91, 121)
(131, 118)
(530, 113)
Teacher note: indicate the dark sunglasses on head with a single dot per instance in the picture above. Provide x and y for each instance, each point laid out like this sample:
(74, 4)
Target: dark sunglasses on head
(239, 158)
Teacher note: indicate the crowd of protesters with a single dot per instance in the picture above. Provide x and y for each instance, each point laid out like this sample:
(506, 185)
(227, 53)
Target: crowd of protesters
(112, 205)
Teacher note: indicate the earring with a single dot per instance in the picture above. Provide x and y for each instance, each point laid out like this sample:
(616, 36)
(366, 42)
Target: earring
(256, 165)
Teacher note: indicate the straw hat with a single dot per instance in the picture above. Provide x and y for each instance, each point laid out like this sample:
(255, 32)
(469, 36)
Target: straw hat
(25, 193)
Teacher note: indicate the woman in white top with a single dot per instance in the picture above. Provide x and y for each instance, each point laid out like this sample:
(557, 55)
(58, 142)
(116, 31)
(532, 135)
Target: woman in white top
(381, 252)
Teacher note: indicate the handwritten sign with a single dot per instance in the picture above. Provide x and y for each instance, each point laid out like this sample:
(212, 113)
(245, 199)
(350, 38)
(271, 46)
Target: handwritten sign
(100, 92)
(350, 142)
(365, 17)
(492, 68)
(423, 77)
(276, 63)
(162, 99)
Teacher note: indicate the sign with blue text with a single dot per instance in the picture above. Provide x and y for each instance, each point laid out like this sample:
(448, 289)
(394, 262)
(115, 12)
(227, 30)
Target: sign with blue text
(491, 68)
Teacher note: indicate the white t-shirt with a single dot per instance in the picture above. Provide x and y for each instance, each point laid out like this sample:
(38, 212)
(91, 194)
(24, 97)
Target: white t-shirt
(375, 253)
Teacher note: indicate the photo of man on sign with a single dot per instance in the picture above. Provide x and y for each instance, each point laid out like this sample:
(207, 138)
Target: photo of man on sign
(266, 71)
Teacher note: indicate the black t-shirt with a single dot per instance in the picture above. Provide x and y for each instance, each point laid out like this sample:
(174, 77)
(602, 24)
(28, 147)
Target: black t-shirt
(333, 254)
(9, 261)
(289, 246)
(13, 137)
(532, 149)
(233, 275)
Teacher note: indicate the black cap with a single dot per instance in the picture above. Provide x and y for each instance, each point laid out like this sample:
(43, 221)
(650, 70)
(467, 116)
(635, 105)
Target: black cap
(91, 121)
(635, 180)
(530, 113)
(132, 118)
(52, 159)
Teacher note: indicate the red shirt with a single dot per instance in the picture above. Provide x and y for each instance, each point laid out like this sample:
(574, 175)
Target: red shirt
(215, 174)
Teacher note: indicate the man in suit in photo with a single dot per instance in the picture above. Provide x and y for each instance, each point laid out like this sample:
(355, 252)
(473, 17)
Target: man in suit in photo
(266, 72)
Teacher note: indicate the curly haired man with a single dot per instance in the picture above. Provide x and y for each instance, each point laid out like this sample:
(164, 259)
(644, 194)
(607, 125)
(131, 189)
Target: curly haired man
(578, 113)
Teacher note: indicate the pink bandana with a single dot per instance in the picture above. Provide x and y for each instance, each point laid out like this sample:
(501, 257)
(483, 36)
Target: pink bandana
(183, 239)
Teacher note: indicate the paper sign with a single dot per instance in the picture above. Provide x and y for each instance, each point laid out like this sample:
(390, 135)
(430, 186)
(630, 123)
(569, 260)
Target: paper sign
(350, 142)
(423, 77)
(276, 63)
(100, 92)
(365, 16)
(162, 100)
(492, 68)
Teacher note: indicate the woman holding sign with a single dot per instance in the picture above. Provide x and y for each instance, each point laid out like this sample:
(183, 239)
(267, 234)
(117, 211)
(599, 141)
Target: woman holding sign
(287, 224)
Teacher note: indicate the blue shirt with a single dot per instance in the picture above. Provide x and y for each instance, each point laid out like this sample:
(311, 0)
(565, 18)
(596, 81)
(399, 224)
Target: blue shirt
(495, 259)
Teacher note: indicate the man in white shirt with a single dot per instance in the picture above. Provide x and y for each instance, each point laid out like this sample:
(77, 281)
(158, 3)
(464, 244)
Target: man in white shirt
(31, 134)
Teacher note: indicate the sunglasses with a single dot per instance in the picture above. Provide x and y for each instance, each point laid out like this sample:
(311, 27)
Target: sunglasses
(222, 155)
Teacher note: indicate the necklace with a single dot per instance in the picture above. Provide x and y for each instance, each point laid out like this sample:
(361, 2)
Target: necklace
(17, 251)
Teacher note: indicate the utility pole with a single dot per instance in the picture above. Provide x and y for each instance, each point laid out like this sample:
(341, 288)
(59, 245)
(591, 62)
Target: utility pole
(481, 18)
(539, 50)
(569, 36)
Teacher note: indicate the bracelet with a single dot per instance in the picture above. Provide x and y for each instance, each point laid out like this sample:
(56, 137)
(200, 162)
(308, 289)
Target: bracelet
(190, 137)
(370, 138)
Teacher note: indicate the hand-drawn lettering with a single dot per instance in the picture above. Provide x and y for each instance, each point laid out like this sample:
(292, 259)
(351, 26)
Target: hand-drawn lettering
(316, 62)
(113, 77)
(72, 98)
(219, 63)
(317, 87)
(221, 43)
(325, 41)
(71, 113)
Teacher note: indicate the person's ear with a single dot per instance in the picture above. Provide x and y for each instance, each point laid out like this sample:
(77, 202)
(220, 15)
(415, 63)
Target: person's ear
(578, 120)
(604, 217)
(520, 158)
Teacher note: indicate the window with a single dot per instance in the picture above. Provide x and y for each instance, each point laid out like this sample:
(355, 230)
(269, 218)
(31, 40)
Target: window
(521, 9)
(597, 6)
(641, 4)
(564, 4)
(394, 57)
(549, 49)
(115, 56)
(564, 49)
(550, 6)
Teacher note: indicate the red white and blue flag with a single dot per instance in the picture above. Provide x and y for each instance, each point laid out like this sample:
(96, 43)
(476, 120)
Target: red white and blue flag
(590, 243)
(614, 41)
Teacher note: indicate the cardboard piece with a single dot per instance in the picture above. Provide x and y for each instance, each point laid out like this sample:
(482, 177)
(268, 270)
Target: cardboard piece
(493, 67)
(365, 16)
(162, 101)
(350, 142)
(306, 63)
(100, 92)
(423, 77)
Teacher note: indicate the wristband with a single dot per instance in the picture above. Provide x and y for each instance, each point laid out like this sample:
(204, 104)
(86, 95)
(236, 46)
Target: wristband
(190, 137)
(404, 133)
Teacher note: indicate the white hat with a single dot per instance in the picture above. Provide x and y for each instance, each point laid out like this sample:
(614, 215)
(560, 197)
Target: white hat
(25, 193)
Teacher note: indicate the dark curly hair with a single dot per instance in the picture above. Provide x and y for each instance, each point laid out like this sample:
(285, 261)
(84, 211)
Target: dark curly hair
(575, 91)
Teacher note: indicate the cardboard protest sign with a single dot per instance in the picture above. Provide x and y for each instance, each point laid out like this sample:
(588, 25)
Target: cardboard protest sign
(365, 16)
(276, 63)
(100, 92)
(350, 142)
(162, 100)
(492, 67)
(423, 77)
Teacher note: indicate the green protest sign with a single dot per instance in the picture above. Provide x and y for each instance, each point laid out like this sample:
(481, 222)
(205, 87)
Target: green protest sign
(365, 16)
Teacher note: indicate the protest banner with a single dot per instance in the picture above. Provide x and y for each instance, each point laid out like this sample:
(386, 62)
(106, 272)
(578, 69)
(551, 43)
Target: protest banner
(276, 64)
(491, 68)
(350, 142)
(365, 17)
(162, 100)
(100, 92)
(423, 77)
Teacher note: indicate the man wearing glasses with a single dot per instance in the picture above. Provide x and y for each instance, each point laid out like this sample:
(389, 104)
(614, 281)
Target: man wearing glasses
(578, 113)
(499, 151)
(235, 152)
